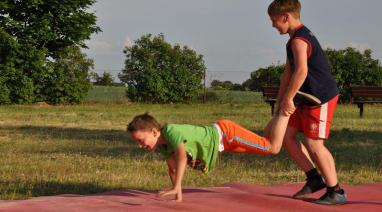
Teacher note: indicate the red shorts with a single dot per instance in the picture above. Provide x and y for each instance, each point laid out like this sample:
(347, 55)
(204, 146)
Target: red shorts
(314, 121)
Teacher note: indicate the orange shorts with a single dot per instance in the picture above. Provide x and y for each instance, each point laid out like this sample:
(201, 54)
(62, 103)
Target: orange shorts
(240, 140)
(314, 121)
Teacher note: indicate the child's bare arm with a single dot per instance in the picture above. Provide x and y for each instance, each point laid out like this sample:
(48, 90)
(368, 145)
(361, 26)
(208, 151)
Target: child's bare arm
(300, 51)
(285, 78)
(180, 166)
(171, 163)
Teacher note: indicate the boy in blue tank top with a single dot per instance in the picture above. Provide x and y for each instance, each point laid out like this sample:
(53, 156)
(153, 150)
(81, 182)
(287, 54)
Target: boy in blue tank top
(307, 70)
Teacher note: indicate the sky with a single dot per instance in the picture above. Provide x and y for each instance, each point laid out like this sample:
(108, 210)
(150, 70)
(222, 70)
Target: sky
(235, 37)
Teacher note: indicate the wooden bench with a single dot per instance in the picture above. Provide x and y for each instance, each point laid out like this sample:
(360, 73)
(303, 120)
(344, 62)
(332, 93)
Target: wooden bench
(365, 94)
(270, 95)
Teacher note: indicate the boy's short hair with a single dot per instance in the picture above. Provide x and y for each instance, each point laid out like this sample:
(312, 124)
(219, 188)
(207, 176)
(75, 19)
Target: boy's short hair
(143, 122)
(280, 7)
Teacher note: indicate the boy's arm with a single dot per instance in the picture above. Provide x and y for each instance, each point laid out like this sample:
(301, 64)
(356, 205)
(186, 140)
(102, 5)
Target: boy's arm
(285, 78)
(180, 166)
(171, 163)
(300, 52)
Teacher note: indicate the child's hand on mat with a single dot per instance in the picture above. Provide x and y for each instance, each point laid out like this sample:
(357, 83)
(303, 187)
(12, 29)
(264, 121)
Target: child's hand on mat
(175, 191)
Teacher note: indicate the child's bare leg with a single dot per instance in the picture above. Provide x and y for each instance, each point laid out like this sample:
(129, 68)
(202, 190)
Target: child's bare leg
(297, 151)
(279, 124)
(323, 159)
(268, 128)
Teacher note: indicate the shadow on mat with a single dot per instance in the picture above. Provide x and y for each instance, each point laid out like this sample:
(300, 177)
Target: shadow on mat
(312, 200)
(19, 189)
(363, 203)
(130, 192)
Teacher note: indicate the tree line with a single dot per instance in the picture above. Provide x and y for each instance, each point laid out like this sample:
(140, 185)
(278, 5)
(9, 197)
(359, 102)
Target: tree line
(153, 74)
(41, 60)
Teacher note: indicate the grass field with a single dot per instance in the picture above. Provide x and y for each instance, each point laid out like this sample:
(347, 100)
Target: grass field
(48, 150)
(115, 95)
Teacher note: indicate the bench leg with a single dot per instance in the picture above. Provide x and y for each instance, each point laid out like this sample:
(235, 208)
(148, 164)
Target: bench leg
(273, 107)
(360, 106)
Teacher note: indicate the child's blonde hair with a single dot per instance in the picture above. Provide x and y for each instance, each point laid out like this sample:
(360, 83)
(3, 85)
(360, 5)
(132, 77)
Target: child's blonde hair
(280, 7)
(143, 122)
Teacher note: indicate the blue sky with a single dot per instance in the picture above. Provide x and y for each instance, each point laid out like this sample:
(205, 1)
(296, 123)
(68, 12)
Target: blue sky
(234, 36)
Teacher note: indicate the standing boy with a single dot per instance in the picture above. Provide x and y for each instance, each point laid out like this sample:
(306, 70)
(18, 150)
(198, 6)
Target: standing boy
(307, 70)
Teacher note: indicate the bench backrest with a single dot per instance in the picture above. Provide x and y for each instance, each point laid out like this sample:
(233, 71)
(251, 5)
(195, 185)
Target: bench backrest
(270, 92)
(366, 91)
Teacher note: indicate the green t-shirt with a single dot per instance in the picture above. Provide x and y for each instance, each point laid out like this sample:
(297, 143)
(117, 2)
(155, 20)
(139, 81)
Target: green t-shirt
(201, 144)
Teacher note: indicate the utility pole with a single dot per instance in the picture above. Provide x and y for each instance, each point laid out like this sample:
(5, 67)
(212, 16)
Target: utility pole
(205, 90)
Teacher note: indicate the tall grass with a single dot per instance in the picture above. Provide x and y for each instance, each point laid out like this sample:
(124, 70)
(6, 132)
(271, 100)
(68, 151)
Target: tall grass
(106, 94)
(48, 150)
(112, 94)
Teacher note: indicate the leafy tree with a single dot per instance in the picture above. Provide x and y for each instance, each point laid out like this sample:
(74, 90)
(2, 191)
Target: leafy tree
(50, 25)
(70, 81)
(221, 85)
(156, 71)
(226, 85)
(352, 67)
(106, 79)
(348, 66)
(247, 84)
(269, 76)
(18, 64)
(33, 35)
(216, 85)
(238, 87)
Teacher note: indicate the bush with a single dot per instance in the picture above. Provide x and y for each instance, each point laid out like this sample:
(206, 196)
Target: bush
(156, 71)
(70, 81)
(4, 92)
(19, 64)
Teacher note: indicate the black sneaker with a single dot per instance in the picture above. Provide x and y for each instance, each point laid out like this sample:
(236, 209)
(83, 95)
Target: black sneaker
(311, 186)
(332, 198)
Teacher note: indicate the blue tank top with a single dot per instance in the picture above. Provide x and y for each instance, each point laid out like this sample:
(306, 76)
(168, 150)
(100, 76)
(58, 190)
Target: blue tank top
(319, 81)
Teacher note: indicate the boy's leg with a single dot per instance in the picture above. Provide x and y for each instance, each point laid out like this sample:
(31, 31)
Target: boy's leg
(297, 151)
(240, 140)
(325, 162)
(300, 156)
(323, 159)
(315, 123)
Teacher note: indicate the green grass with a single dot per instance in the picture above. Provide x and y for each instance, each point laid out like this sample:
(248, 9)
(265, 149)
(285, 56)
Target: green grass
(224, 96)
(106, 94)
(49, 150)
(112, 94)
